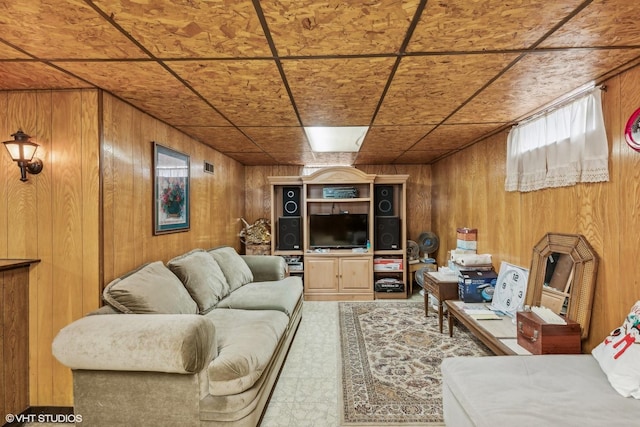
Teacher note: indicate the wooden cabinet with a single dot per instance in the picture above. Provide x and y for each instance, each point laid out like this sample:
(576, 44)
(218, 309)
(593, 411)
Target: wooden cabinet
(341, 266)
(14, 336)
(343, 275)
(390, 209)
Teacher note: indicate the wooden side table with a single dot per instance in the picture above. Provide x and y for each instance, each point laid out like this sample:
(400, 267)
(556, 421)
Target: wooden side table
(443, 287)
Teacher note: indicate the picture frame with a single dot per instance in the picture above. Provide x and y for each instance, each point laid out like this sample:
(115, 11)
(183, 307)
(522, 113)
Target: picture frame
(171, 190)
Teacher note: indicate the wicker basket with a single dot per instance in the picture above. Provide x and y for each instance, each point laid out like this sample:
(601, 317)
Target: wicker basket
(258, 249)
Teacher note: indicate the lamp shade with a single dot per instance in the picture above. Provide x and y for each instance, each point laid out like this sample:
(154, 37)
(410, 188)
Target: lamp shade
(21, 149)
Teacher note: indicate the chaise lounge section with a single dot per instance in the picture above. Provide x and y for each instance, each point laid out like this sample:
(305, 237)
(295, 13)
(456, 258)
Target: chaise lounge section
(198, 342)
(586, 390)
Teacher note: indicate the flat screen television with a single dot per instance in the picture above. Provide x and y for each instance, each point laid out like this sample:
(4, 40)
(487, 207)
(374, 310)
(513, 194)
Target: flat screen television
(338, 231)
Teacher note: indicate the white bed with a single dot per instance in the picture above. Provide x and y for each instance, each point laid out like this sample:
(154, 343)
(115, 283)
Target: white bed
(549, 390)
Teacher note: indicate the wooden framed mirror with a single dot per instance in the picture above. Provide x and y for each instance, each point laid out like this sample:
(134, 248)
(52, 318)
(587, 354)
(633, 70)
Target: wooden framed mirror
(562, 277)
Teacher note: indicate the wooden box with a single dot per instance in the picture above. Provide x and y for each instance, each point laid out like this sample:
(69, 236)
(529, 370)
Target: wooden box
(539, 337)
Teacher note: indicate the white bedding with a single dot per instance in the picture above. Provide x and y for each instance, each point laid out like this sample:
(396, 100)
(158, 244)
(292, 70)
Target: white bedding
(549, 390)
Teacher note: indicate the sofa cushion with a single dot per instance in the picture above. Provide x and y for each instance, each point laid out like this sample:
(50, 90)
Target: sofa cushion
(282, 295)
(152, 288)
(202, 276)
(619, 355)
(247, 340)
(177, 343)
(235, 269)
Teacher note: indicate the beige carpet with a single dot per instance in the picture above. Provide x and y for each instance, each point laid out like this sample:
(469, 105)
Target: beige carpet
(391, 355)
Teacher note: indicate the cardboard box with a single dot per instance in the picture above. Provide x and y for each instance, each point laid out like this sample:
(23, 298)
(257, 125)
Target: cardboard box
(467, 233)
(539, 337)
(476, 286)
(467, 244)
(387, 264)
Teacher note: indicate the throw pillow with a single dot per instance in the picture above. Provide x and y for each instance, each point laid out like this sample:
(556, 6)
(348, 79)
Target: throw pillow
(235, 269)
(152, 288)
(619, 353)
(202, 276)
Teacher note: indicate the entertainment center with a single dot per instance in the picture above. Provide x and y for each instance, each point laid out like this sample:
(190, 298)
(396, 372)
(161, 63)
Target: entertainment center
(347, 228)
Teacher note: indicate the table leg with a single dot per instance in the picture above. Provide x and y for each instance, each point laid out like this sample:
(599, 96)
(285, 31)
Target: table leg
(440, 315)
(426, 303)
(451, 320)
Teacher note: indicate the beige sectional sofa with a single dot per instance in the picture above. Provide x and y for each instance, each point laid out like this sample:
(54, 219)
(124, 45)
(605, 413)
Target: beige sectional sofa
(196, 342)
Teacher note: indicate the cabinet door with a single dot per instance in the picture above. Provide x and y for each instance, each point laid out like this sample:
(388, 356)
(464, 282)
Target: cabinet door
(15, 339)
(321, 274)
(356, 274)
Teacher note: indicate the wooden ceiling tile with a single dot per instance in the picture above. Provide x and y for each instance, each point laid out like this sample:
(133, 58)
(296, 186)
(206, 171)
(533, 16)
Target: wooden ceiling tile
(150, 87)
(420, 156)
(337, 92)
(602, 23)
(66, 29)
(7, 52)
(280, 139)
(449, 137)
(377, 158)
(462, 25)
(18, 75)
(290, 157)
(252, 159)
(225, 139)
(427, 89)
(247, 92)
(539, 79)
(309, 158)
(380, 139)
(338, 27)
(191, 29)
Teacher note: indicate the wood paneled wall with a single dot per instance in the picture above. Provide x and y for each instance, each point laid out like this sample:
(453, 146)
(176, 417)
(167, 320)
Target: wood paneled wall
(88, 215)
(468, 191)
(53, 217)
(258, 202)
(217, 200)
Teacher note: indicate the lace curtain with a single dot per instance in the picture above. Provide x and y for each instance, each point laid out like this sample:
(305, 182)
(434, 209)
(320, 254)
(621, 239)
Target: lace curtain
(561, 148)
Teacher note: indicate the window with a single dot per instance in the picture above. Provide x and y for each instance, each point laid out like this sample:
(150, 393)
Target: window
(560, 148)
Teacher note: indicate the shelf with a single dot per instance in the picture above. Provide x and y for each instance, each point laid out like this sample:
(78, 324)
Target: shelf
(349, 200)
(344, 274)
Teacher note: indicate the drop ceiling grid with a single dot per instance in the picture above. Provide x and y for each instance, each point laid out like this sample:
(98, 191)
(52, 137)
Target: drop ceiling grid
(336, 58)
(426, 89)
(337, 92)
(523, 88)
(247, 92)
(336, 27)
(461, 25)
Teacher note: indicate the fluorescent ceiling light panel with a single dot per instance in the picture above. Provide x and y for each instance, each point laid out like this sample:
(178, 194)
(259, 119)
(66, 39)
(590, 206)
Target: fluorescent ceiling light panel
(325, 139)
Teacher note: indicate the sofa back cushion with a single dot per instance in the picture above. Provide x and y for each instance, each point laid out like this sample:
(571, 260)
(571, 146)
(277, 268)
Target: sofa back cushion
(235, 269)
(202, 277)
(152, 288)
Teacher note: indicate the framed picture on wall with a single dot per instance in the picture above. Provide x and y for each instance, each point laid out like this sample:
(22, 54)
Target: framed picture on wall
(170, 190)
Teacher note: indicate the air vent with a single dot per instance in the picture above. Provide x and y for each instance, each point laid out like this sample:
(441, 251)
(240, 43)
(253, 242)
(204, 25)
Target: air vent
(208, 167)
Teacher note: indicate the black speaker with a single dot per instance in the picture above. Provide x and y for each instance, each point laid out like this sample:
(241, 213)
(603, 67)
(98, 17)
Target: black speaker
(289, 233)
(387, 233)
(383, 200)
(291, 201)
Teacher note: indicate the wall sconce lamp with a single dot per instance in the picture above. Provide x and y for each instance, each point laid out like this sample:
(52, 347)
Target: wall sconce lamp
(21, 150)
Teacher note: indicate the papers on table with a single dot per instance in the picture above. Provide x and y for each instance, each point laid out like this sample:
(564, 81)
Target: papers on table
(479, 313)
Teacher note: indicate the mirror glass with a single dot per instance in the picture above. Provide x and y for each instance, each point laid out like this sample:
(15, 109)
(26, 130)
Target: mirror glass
(557, 282)
(562, 277)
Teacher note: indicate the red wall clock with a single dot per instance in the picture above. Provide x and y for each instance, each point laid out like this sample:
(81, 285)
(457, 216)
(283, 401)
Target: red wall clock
(632, 130)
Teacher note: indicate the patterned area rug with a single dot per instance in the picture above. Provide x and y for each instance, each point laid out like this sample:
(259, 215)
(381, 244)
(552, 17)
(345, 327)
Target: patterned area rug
(391, 355)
